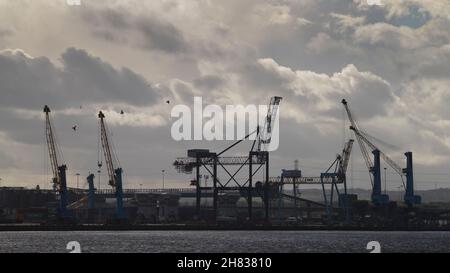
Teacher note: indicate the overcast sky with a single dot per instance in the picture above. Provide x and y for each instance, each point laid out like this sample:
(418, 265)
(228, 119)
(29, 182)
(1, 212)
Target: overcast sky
(391, 62)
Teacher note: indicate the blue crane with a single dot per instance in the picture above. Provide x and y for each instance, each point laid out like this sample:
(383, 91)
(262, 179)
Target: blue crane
(59, 171)
(114, 170)
(375, 167)
(91, 191)
(335, 174)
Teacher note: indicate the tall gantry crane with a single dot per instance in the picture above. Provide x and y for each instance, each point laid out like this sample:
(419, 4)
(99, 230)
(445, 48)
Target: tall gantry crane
(335, 174)
(113, 167)
(59, 171)
(375, 167)
(257, 158)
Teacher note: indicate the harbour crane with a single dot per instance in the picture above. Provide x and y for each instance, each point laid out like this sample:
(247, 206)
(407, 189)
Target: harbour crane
(335, 174)
(113, 167)
(375, 167)
(338, 176)
(59, 171)
(258, 157)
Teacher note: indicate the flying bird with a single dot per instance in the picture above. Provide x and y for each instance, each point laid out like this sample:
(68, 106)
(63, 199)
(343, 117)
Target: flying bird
(122, 112)
(74, 128)
(168, 101)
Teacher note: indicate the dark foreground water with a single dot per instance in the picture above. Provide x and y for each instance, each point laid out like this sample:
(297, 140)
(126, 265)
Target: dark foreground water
(225, 241)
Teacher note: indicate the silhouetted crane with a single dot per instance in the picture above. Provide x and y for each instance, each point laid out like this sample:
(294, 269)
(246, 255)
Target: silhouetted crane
(112, 164)
(59, 171)
(375, 168)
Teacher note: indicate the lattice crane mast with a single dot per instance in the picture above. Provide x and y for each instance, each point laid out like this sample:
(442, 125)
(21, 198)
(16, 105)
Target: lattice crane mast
(265, 136)
(345, 158)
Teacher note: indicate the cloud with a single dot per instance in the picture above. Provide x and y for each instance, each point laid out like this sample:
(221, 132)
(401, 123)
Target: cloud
(150, 32)
(85, 74)
(346, 22)
(382, 34)
(390, 62)
(4, 34)
(320, 94)
(30, 83)
(6, 161)
(273, 14)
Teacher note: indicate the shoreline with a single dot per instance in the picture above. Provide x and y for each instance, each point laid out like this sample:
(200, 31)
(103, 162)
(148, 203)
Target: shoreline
(9, 228)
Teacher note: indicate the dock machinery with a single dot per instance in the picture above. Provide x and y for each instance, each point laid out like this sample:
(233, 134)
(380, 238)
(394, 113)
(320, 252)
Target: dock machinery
(335, 174)
(258, 157)
(114, 170)
(375, 168)
(59, 171)
(89, 199)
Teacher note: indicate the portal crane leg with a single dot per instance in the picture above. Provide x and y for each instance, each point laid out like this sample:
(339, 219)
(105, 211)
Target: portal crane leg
(409, 198)
(119, 195)
(64, 213)
(377, 197)
(91, 193)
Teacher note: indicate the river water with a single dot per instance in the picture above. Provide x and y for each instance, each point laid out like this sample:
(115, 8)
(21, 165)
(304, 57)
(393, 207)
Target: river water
(224, 241)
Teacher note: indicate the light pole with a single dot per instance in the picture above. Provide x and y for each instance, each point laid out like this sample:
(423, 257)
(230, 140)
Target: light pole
(78, 180)
(385, 180)
(163, 173)
(0, 181)
(99, 172)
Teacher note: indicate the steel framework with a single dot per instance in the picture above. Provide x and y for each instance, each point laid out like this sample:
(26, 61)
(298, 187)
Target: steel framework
(258, 157)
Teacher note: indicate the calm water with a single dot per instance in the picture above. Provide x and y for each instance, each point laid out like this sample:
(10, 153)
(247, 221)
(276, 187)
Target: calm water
(224, 241)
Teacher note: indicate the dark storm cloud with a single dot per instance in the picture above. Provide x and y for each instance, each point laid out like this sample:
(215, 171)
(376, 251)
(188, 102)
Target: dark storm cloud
(88, 77)
(162, 36)
(27, 82)
(20, 128)
(148, 32)
(82, 78)
(389, 65)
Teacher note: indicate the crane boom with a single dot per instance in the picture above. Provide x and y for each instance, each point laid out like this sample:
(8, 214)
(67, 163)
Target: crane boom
(106, 147)
(362, 147)
(386, 158)
(363, 137)
(265, 136)
(346, 156)
(51, 144)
